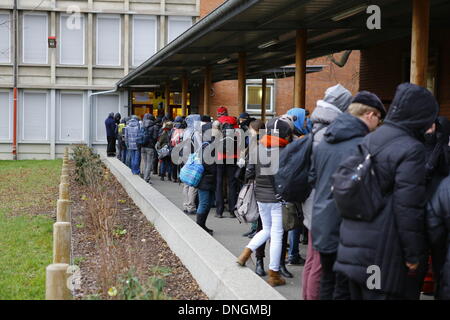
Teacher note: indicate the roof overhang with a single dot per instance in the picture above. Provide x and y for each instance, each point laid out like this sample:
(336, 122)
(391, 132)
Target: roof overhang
(265, 30)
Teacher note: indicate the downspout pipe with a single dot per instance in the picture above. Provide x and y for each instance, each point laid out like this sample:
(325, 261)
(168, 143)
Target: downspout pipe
(91, 126)
(15, 57)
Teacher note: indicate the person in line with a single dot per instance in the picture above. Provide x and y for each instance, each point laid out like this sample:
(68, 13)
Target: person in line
(148, 150)
(279, 134)
(394, 240)
(131, 135)
(156, 161)
(163, 142)
(207, 185)
(110, 125)
(244, 121)
(335, 101)
(121, 139)
(176, 137)
(117, 118)
(227, 166)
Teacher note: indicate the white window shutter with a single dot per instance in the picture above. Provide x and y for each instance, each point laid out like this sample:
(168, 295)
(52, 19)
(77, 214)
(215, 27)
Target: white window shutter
(35, 37)
(178, 25)
(104, 106)
(5, 38)
(34, 116)
(144, 38)
(5, 115)
(108, 40)
(72, 41)
(71, 116)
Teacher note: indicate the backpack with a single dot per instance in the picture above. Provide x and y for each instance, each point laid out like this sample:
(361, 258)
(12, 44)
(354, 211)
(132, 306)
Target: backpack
(228, 132)
(355, 186)
(246, 205)
(177, 137)
(140, 137)
(291, 181)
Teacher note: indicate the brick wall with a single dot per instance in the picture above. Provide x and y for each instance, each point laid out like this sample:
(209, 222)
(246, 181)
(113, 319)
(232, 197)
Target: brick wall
(206, 6)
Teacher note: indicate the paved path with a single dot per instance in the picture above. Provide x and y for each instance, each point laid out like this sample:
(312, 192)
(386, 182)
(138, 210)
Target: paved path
(229, 232)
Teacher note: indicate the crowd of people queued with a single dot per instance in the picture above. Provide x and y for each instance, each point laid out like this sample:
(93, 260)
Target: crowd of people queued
(409, 148)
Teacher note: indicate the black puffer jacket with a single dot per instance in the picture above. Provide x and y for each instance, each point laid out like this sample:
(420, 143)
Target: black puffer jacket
(438, 227)
(340, 140)
(208, 181)
(397, 234)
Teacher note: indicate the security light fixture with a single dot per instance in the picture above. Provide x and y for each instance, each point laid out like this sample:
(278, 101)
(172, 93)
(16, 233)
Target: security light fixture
(349, 13)
(268, 44)
(52, 42)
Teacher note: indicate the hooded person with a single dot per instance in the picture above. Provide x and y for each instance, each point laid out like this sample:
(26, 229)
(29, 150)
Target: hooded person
(300, 122)
(394, 240)
(148, 152)
(176, 137)
(340, 140)
(121, 139)
(131, 136)
(164, 141)
(279, 134)
(244, 120)
(110, 125)
(336, 100)
(193, 141)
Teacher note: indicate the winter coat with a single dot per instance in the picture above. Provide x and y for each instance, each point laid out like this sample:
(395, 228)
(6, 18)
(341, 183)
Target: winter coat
(323, 115)
(192, 131)
(438, 227)
(152, 130)
(208, 181)
(340, 140)
(397, 234)
(131, 134)
(110, 125)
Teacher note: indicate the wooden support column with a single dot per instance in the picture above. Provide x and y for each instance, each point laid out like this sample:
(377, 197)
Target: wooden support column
(242, 81)
(300, 69)
(206, 90)
(167, 97)
(263, 99)
(184, 92)
(419, 42)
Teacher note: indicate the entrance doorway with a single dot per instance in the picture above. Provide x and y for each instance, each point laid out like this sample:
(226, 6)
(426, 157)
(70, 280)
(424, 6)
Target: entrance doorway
(154, 102)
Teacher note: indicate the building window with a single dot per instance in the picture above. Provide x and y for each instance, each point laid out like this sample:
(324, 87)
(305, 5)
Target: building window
(35, 34)
(5, 119)
(176, 26)
(254, 95)
(104, 106)
(5, 38)
(144, 38)
(71, 115)
(108, 40)
(72, 40)
(35, 116)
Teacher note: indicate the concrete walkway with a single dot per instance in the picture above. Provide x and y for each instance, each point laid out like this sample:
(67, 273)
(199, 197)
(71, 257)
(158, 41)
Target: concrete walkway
(228, 231)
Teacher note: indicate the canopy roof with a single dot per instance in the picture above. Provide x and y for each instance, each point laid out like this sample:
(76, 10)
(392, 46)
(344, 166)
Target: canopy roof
(265, 30)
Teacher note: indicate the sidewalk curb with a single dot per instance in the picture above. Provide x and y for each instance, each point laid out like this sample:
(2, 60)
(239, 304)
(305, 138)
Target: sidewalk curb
(210, 263)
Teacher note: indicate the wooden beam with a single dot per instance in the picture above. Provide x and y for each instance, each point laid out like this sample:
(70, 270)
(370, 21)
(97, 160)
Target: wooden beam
(184, 91)
(300, 69)
(167, 96)
(263, 99)
(206, 90)
(419, 42)
(242, 81)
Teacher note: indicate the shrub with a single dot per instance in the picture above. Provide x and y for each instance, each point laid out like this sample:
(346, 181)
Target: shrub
(88, 166)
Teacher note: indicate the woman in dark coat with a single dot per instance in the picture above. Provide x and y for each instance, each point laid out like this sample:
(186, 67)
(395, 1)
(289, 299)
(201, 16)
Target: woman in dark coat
(393, 243)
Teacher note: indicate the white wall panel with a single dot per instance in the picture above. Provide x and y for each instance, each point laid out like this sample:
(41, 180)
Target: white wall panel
(34, 122)
(70, 117)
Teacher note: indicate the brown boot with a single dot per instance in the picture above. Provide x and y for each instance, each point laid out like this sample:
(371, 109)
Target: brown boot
(275, 279)
(245, 255)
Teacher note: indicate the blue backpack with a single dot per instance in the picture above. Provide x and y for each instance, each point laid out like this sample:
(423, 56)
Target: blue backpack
(191, 173)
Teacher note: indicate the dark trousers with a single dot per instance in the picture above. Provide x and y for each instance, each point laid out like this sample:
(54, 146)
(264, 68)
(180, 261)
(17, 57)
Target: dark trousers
(415, 280)
(361, 292)
(260, 252)
(228, 171)
(155, 165)
(166, 167)
(111, 148)
(333, 285)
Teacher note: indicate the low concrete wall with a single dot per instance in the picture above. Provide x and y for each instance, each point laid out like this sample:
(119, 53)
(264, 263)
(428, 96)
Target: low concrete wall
(210, 263)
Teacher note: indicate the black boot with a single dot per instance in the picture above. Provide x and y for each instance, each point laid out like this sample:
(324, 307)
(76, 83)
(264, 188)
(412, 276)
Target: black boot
(201, 220)
(259, 270)
(284, 271)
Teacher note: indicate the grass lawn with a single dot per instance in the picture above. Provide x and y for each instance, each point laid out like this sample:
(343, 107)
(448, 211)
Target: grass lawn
(28, 194)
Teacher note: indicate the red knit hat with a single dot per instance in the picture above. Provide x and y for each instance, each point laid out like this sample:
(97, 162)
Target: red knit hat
(222, 111)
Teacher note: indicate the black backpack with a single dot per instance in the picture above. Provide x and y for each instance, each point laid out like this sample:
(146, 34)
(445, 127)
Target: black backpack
(291, 181)
(228, 134)
(356, 188)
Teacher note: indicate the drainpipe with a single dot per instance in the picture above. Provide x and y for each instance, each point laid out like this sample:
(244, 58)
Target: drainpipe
(15, 60)
(90, 111)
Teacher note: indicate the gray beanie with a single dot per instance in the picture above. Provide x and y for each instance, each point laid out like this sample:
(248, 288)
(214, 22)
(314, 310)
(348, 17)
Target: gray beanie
(338, 96)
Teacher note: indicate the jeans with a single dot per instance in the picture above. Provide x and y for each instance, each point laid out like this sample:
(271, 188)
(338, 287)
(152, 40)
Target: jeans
(270, 214)
(294, 239)
(333, 285)
(148, 155)
(205, 198)
(135, 157)
(128, 158)
(123, 155)
(229, 171)
(166, 167)
(311, 273)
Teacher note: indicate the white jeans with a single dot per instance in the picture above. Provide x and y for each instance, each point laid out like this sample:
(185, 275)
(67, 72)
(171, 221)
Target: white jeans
(272, 224)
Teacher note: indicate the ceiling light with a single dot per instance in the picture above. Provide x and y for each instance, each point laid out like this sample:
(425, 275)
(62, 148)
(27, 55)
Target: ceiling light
(224, 60)
(349, 13)
(268, 44)
(176, 78)
(196, 71)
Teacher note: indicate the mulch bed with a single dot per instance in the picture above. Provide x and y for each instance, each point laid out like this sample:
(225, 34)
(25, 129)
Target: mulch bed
(153, 249)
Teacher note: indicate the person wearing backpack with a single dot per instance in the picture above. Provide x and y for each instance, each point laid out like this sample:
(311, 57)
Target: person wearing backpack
(279, 134)
(131, 141)
(340, 140)
(378, 253)
(226, 167)
(163, 143)
(176, 137)
(121, 139)
(148, 145)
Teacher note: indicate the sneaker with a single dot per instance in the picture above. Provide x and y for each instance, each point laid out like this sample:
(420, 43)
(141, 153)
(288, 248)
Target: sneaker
(297, 261)
(192, 212)
(162, 178)
(251, 235)
(218, 216)
(248, 233)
